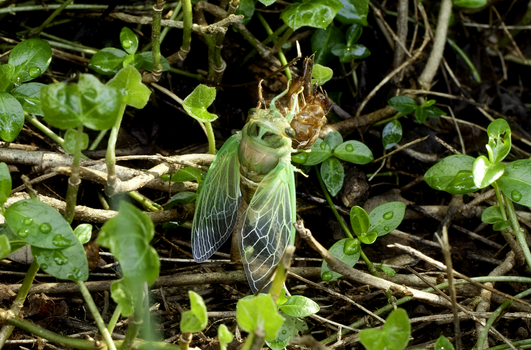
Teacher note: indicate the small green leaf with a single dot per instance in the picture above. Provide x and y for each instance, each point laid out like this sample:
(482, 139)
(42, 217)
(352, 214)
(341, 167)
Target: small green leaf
(225, 336)
(198, 101)
(31, 58)
(261, 312)
(70, 141)
(196, 319)
(5, 246)
(322, 74)
(501, 225)
(187, 174)
(499, 139)
(353, 11)
(443, 344)
(11, 117)
(492, 215)
(359, 220)
(386, 217)
(123, 296)
(39, 225)
(128, 82)
(311, 13)
(83, 233)
(333, 175)
(350, 53)
(516, 181)
(6, 77)
(354, 152)
(387, 270)
(352, 246)
(338, 251)
(5, 183)
(129, 40)
(434, 112)
(291, 328)
(471, 4)
(180, 198)
(147, 62)
(334, 139)
(323, 41)
(29, 97)
(319, 152)
(89, 102)
(393, 336)
(67, 264)
(267, 2)
(246, 9)
(391, 134)
(421, 114)
(453, 174)
(485, 172)
(299, 306)
(403, 104)
(107, 61)
(134, 61)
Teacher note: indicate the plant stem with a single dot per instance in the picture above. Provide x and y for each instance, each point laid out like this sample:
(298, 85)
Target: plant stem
(74, 181)
(284, 38)
(97, 140)
(155, 75)
(186, 74)
(43, 128)
(145, 202)
(185, 340)
(135, 322)
(274, 35)
(115, 316)
(51, 17)
(110, 159)
(211, 138)
(86, 49)
(187, 29)
(463, 55)
(73, 7)
(96, 314)
(18, 303)
(517, 230)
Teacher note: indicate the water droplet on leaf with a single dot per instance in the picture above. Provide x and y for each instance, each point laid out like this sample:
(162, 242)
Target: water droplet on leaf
(284, 331)
(349, 148)
(323, 146)
(388, 215)
(516, 196)
(44, 266)
(60, 241)
(352, 246)
(28, 221)
(59, 258)
(76, 274)
(386, 228)
(327, 276)
(34, 72)
(23, 233)
(127, 44)
(45, 228)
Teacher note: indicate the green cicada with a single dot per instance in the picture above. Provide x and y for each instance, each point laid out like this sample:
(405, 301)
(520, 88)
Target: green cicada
(254, 164)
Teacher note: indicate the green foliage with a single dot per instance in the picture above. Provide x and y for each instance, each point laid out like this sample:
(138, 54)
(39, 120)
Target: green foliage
(30, 59)
(194, 320)
(107, 61)
(353, 11)
(29, 97)
(5, 246)
(443, 344)
(343, 252)
(88, 103)
(83, 233)
(516, 181)
(386, 217)
(5, 184)
(350, 50)
(311, 13)
(485, 172)
(354, 152)
(186, 174)
(198, 101)
(321, 74)
(68, 263)
(406, 105)
(291, 328)
(225, 337)
(323, 40)
(333, 175)
(6, 77)
(128, 40)
(128, 82)
(499, 144)
(391, 134)
(246, 8)
(259, 311)
(453, 174)
(393, 336)
(70, 141)
(299, 306)
(11, 117)
(181, 198)
(471, 4)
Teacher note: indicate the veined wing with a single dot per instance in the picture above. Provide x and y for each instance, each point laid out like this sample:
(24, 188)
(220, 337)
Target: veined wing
(268, 224)
(216, 210)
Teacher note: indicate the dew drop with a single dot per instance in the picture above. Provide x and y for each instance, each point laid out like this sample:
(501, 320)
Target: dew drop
(352, 246)
(284, 331)
(388, 215)
(60, 241)
(327, 276)
(59, 258)
(44, 266)
(323, 145)
(516, 196)
(386, 228)
(34, 72)
(76, 274)
(23, 233)
(349, 148)
(127, 44)
(28, 221)
(45, 228)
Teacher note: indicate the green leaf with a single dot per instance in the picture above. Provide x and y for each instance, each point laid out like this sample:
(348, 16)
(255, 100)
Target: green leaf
(196, 319)
(349, 53)
(391, 134)
(180, 198)
(5, 247)
(387, 270)
(129, 40)
(246, 9)
(338, 250)
(29, 97)
(434, 112)
(14, 241)
(323, 41)
(198, 101)
(499, 139)
(352, 246)
(147, 64)
(261, 312)
(83, 233)
(403, 104)
(39, 225)
(127, 235)
(322, 74)
(359, 220)
(134, 61)
(123, 296)
(516, 182)
(334, 139)
(471, 4)
(224, 336)
(492, 215)
(107, 61)
(89, 102)
(319, 152)
(353, 34)
(453, 174)
(67, 264)
(299, 306)
(187, 174)
(70, 141)
(421, 114)
(31, 58)
(501, 225)
(386, 217)
(393, 336)
(290, 329)
(6, 77)
(333, 175)
(5, 183)
(443, 344)
(267, 2)
(354, 152)
(11, 117)
(311, 13)
(485, 172)
(353, 11)
(128, 82)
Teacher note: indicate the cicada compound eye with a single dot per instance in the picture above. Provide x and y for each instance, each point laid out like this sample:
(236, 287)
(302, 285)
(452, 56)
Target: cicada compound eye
(290, 132)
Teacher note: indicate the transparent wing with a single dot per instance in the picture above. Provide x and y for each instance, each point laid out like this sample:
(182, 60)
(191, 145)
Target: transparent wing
(268, 225)
(216, 210)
